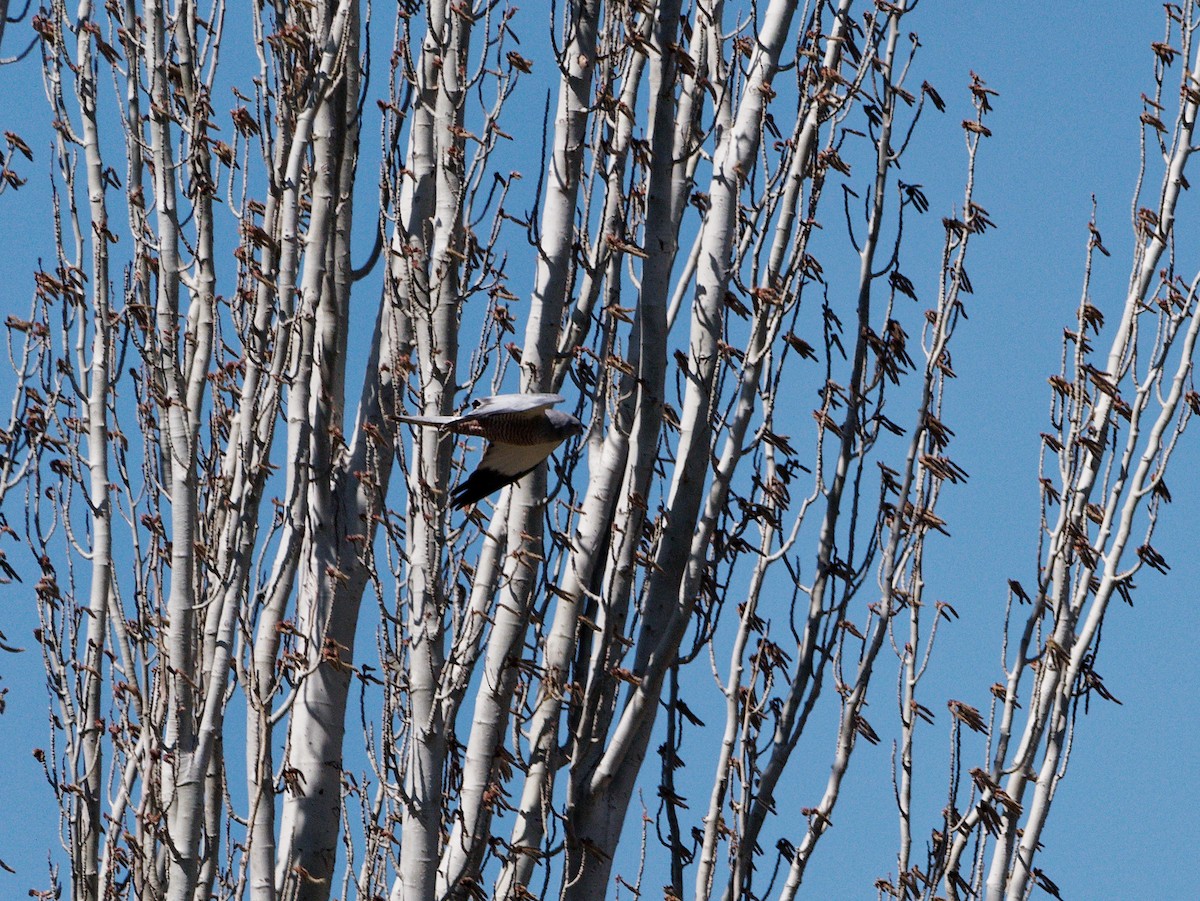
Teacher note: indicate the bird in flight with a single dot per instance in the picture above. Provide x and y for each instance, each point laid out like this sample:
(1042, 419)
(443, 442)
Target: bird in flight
(521, 430)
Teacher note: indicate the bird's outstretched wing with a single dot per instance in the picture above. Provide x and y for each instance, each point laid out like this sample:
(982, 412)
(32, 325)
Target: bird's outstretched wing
(488, 407)
(502, 464)
(509, 404)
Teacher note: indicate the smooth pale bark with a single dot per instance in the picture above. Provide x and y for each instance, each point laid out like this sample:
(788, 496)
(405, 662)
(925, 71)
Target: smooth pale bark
(427, 244)
(524, 542)
(807, 653)
(639, 412)
(182, 785)
(600, 808)
(85, 837)
(345, 489)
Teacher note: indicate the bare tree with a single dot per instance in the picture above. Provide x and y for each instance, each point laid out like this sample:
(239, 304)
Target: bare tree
(226, 496)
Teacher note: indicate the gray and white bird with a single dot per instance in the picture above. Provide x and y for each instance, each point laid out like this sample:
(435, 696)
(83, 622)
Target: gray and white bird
(521, 430)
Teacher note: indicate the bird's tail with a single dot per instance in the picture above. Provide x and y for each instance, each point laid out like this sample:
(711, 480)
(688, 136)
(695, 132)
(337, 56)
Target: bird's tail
(435, 421)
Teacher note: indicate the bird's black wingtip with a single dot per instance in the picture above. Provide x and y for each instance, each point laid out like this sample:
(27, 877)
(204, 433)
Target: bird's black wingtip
(480, 484)
(477, 486)
(458, 501)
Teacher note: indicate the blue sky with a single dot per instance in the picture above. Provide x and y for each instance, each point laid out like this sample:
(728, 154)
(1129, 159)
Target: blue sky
(1065, 128)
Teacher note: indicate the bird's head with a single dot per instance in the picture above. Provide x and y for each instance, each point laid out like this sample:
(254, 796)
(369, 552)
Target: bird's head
(565, 425)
